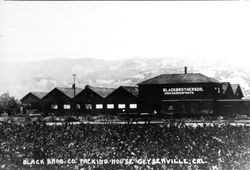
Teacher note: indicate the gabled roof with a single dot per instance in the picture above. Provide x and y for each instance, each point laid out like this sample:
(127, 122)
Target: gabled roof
(38, 95)
(69, 91)
(225, 86)
(102, 91)
(131, 89)
(179, 78)
(237, 89)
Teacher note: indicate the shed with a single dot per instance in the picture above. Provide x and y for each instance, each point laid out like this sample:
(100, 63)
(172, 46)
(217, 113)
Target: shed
(31, 102)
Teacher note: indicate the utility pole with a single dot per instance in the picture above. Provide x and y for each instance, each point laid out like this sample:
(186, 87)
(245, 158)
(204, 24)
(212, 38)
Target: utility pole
(74, 101)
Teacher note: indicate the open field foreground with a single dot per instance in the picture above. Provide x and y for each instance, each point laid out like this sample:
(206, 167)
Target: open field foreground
(172, 146)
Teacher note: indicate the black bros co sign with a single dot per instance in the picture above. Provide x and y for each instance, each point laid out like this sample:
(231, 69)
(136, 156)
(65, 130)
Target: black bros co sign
(182, 91)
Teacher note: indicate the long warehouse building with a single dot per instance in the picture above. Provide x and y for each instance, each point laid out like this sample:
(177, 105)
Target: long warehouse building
(166, 94)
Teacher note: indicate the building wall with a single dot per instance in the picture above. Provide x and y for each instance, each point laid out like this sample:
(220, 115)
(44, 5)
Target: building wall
(55, 97)
(239, 94)
(88, 100)
(229, 94)
(118, 98)
(31, 104)
(233, 107)
(188, 107)
(172, 91)
(158, 99)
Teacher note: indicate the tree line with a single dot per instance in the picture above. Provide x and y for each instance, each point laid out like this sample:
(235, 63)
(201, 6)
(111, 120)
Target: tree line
(9, 104)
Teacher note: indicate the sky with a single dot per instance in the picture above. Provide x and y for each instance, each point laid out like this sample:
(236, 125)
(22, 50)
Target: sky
(33, 31)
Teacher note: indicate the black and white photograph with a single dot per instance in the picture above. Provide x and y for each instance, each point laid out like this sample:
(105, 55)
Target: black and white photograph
(119, 85)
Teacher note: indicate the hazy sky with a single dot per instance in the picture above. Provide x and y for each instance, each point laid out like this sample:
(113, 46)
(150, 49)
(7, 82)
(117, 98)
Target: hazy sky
(116, 30)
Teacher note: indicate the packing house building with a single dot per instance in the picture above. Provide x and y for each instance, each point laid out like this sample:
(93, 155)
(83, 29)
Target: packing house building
(189, 93)
(167, 94)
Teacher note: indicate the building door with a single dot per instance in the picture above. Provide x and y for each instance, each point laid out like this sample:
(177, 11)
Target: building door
(169, 108)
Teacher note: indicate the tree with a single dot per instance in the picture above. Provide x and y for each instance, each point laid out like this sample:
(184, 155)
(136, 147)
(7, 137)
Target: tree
(9, 104)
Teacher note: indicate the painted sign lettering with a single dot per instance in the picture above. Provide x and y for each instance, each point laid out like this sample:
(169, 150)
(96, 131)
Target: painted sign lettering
(182, 91)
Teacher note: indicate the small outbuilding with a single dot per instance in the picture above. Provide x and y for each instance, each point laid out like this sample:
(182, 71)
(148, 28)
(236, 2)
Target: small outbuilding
(31, 102)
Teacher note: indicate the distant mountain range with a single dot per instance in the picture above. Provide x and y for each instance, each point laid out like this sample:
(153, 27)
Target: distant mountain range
(20, 78)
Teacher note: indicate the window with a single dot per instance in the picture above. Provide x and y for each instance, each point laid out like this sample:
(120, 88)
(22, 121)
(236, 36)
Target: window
(78, 106)
(99, 106)
(88, 106)
(110, 106)
(66, 106)
(170, 108)
(121, 106)
(54, 106)
(133, 106)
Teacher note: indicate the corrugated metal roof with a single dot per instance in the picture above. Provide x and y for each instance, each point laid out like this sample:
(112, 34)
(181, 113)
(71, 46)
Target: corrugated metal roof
(102, 91)
(69, 91)
(180, 78)
(133, 90)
